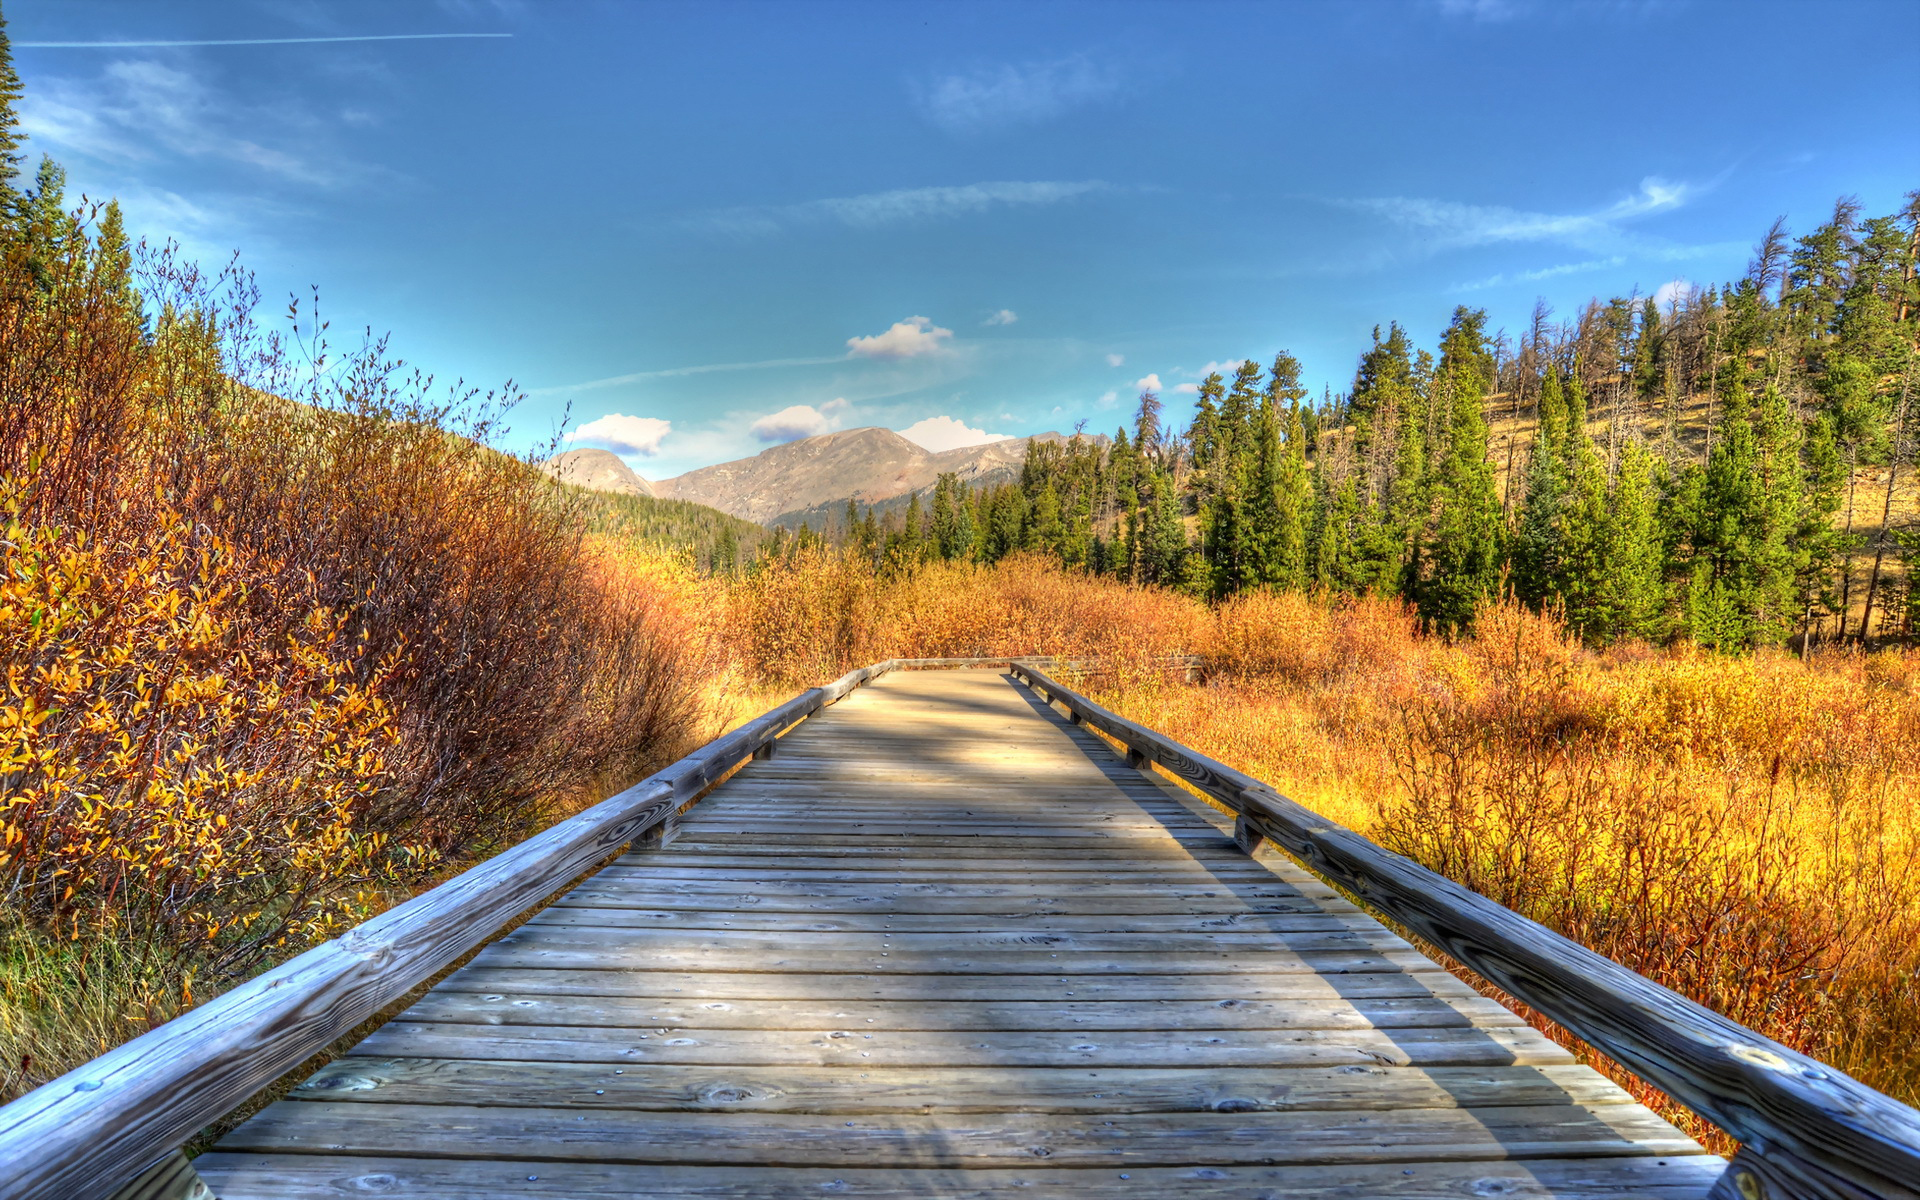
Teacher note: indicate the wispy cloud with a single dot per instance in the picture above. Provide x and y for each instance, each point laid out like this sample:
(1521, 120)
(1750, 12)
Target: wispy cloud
(292, 41)
(902, 206)
(1016, 94)
(1483, 11)
(676, 372)
(1446, 224)
(1116, 360)
(1511, 277)
(1005, 316)
(137, 111)
(1149, 383)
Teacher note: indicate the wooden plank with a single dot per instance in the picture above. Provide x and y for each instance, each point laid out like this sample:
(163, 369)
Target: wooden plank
(779, 946)
(855, 900)
(245, 1176)
(871, 1089)
(1207, 850)
(609, 954)
(801, 985)
(624, 917)
(1167, 1016)
(1486, 1046)
(1758, 1090)
(975, 1140)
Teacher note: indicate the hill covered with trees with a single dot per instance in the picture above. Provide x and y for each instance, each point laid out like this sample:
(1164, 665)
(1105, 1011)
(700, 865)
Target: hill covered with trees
(1735, 468)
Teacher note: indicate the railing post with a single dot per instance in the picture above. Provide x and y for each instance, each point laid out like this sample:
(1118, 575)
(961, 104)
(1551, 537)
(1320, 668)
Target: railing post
(1245, 836)
(172, 1178)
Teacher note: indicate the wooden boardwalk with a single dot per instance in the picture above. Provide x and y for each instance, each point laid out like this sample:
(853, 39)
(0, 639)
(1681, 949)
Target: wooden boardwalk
(946, 944)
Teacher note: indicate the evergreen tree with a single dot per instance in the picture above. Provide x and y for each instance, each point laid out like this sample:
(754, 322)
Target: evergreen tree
(12, 138)
(1466, 547)
(1536, 549)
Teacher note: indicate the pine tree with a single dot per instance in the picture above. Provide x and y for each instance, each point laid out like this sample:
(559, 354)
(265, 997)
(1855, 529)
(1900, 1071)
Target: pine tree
(913, 539)
(1466, 548)
(1536, 550)
(11, 135)
(1634, 597)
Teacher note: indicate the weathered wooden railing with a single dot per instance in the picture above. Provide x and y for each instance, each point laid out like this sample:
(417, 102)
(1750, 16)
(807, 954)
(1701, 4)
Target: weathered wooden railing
(1806, 1129)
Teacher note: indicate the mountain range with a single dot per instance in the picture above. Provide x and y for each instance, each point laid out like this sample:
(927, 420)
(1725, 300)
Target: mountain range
(808, 479)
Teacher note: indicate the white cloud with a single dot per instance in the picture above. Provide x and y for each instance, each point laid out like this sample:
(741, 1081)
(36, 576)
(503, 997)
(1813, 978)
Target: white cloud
(910, 338)
(623, 434)
(1116, 360)
(1012, 94)
(793, 422)
(836, 406)
(903, 206)
(1445, 224)
(946, 433)
(1109, 398)
(1187, 389)
(1005, 316)
(1150, 383)
(1672, 292)
(1223, 368)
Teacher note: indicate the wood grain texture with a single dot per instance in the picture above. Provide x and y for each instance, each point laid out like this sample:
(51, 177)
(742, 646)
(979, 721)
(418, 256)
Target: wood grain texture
(245, 1176)
(1835, 1136)
(941, 939)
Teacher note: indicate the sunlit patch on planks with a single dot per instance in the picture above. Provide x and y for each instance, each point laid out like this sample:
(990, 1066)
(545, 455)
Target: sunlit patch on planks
(944, 943)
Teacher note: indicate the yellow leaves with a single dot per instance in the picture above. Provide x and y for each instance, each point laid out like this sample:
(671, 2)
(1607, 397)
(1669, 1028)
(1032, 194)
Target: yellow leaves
(163, 748)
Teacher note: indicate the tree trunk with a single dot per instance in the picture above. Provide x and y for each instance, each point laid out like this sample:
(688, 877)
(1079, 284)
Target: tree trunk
(1886, 505)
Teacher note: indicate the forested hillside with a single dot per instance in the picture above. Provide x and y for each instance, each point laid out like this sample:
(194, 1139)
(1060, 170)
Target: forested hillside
(715, 540)
(1735, 468)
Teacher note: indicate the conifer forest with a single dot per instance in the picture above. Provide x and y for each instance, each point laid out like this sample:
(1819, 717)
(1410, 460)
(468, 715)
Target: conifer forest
(1735, 469)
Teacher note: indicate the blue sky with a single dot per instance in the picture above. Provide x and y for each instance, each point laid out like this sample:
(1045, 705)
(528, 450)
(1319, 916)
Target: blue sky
(712, 226)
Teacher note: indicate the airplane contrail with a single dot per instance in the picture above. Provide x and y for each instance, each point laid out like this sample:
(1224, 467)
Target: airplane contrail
(293, 41)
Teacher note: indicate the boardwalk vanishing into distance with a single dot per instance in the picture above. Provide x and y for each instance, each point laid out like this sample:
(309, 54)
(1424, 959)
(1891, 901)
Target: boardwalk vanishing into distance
(921, 933)
(946, 943)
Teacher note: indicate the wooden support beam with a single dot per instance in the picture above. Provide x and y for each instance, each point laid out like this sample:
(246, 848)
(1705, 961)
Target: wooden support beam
(172, 1178)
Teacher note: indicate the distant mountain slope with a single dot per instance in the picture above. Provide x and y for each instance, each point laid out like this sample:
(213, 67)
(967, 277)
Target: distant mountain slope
(785, 483)
(598, 471)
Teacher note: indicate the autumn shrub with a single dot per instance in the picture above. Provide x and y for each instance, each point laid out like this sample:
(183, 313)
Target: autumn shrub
(284, 638)
(809, 615)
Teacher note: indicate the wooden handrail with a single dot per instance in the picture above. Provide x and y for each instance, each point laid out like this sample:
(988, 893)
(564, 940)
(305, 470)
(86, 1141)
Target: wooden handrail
(1806, 1129)
(85, 1134)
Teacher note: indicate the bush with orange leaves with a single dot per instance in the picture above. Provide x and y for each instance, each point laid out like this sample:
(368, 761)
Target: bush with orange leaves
(177, 775)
